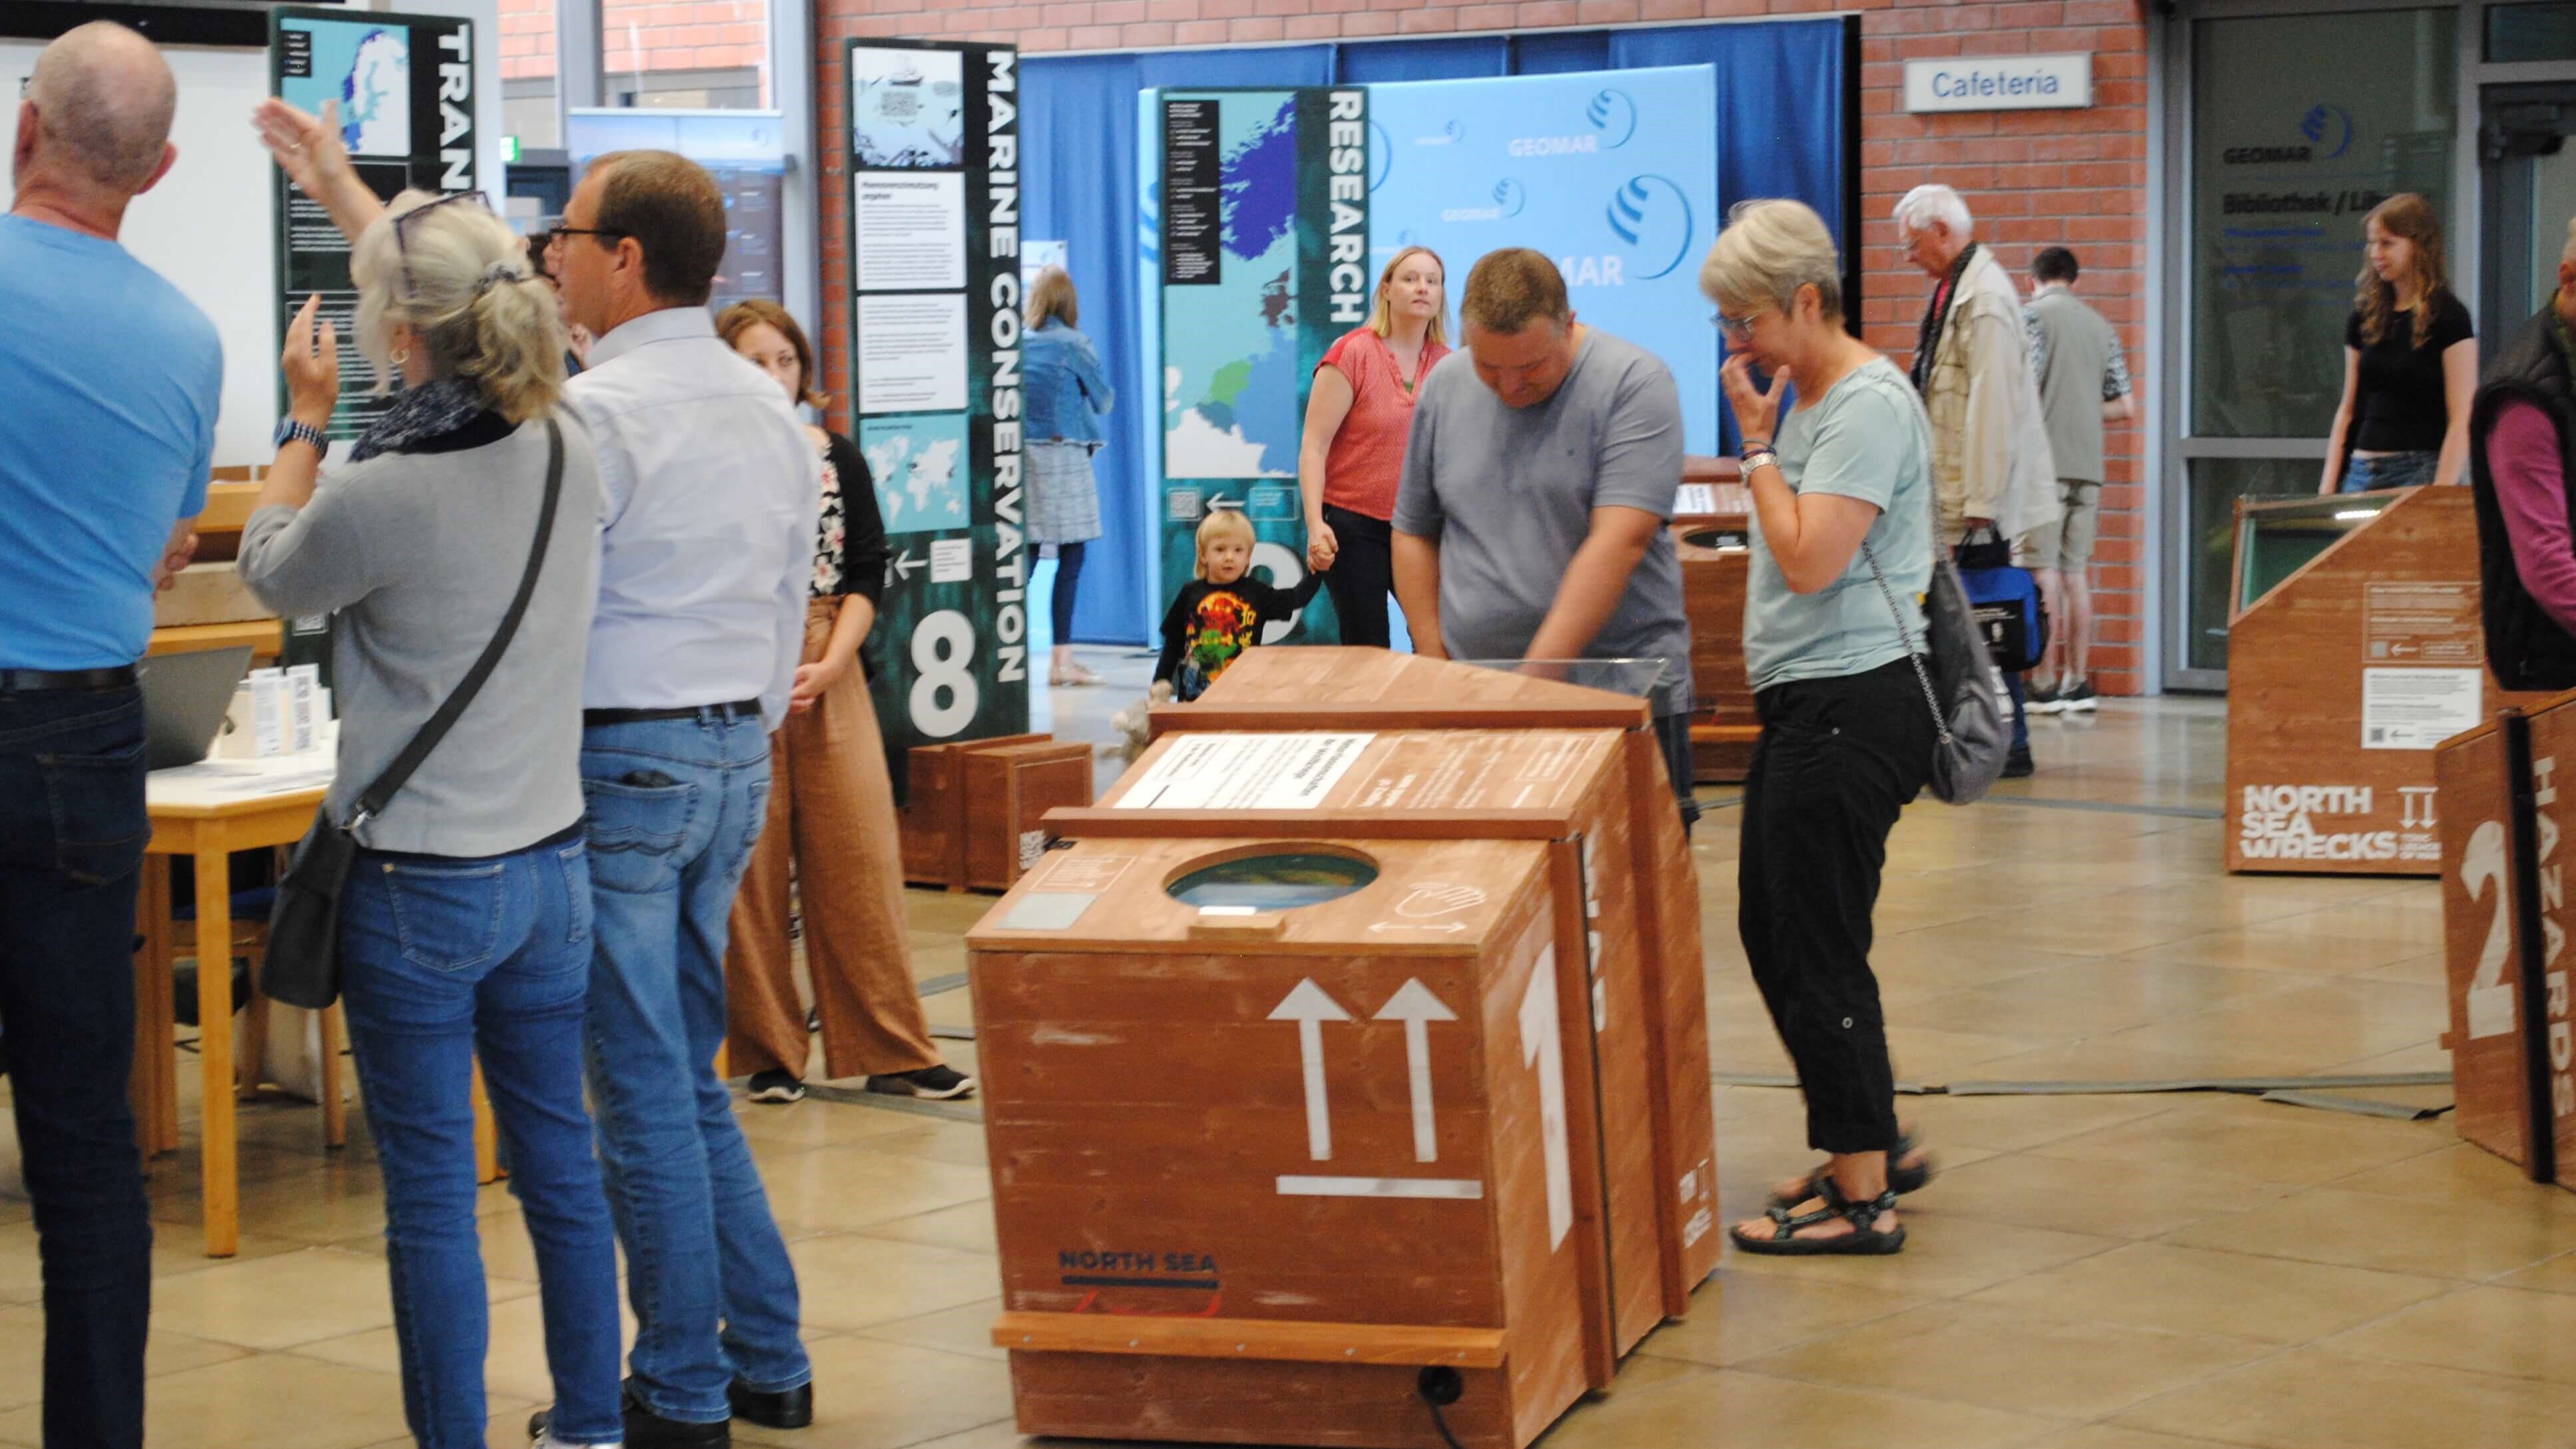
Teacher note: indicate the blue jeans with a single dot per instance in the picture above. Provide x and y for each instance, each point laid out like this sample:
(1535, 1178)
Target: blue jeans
(675, 808)
(72, 831)
(2389, 470)
(445, 959)
(2020, 712)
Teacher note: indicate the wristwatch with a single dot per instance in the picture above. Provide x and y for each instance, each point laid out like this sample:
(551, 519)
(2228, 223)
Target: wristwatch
(289, 430)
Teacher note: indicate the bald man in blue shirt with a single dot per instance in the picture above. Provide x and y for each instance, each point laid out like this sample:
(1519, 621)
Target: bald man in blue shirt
(104, 450)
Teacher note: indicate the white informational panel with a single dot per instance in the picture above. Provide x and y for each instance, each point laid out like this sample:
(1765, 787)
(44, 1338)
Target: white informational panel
(207, 226)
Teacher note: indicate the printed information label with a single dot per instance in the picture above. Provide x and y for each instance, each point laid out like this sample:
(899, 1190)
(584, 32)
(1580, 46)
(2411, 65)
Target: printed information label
(1247, 772)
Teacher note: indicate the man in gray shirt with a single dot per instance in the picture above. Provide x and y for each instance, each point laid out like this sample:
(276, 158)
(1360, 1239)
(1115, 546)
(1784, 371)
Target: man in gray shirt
(2083, 384)
(1537, 483)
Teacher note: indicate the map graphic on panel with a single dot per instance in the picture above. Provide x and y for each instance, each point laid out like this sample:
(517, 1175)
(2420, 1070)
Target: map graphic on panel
(1230, 392)
(367, 69)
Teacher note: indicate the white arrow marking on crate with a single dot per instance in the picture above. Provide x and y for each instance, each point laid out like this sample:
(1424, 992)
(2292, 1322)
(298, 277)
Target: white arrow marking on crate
(1450, 928)
(1310, 1008)
(1415, 1006)
(1542, 1046)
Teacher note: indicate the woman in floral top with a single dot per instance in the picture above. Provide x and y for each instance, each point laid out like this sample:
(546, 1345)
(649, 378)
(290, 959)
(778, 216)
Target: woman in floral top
(831, 809)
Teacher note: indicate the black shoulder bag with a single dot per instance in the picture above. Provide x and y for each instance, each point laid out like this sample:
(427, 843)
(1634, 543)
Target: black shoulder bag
(303, 965)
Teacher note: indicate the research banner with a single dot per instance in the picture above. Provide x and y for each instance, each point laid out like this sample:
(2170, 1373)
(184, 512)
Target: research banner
(1613, 174)
(404, 85)
(935, 316)
(1263, 261)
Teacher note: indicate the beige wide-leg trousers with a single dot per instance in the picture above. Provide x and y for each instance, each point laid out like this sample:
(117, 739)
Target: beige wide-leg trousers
(831, 823)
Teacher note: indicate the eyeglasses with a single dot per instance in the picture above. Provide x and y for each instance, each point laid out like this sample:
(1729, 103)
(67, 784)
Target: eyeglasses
(1735, 326)
(556, 234)
(404, 223)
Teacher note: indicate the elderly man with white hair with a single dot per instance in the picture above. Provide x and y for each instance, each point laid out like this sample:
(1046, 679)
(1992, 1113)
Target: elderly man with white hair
(104, 453)
(1990, 460)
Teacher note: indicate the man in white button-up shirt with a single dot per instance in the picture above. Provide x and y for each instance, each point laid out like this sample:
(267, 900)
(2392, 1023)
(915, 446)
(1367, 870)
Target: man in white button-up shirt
(706, 544)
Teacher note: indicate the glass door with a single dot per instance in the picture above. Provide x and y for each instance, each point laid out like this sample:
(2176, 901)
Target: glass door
(2529, 191)
(2297, 125)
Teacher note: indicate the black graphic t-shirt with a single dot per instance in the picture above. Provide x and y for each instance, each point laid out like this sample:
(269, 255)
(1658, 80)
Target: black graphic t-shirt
(1210, 625)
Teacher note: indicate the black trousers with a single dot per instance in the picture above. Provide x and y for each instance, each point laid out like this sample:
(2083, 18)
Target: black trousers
(1362, 575)
(1837, 761)
(1068, 580)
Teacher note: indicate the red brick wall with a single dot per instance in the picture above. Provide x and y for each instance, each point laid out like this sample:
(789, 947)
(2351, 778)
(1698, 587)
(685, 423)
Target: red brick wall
(674, 35)
(2033, 178)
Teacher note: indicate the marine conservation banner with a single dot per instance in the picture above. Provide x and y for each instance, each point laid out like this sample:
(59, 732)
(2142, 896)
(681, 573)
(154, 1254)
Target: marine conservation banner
(1612, 173)
(1261, 261)
(933, 159)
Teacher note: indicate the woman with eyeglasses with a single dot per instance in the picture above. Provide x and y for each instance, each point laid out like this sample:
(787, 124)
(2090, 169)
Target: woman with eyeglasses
(1842, 556)
(465, 928)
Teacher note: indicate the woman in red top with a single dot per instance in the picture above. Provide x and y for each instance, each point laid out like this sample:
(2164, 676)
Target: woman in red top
(1357, 420)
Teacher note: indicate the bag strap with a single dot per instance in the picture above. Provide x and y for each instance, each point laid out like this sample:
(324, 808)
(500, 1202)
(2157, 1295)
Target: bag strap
(1931, 701)
(373, 800)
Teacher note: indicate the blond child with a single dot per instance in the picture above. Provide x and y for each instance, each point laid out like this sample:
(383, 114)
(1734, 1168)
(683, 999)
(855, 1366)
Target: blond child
(1222, 612)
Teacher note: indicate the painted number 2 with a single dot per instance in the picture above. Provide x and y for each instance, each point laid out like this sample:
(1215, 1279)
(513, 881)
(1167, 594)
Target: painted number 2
(943, 649)
(2490, 1000)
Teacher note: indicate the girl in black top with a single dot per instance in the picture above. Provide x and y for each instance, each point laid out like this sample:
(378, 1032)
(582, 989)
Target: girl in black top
(2410, 362)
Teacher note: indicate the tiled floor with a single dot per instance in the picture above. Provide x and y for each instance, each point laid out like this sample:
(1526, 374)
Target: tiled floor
(2090, 1272)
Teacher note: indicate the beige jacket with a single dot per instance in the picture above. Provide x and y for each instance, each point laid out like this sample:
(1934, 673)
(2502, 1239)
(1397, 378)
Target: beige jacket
(1990, 454)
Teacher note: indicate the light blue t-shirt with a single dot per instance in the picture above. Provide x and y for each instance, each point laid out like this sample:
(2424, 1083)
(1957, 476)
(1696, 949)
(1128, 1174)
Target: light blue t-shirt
(1866, 438)
(109, 383)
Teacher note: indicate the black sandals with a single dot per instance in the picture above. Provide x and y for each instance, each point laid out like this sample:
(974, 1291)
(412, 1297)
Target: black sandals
(1864, 1239)
(1900, 1180)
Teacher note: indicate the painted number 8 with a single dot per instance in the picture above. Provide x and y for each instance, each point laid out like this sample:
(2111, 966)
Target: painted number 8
(943, 645)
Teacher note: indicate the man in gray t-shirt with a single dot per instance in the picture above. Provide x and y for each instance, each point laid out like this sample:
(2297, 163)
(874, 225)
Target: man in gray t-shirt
(1537, 483)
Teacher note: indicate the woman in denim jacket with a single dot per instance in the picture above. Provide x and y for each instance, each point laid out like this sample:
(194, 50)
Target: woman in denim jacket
(1067, 394)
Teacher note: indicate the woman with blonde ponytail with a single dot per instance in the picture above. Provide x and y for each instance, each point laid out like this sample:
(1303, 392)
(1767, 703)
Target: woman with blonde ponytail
(466, 925)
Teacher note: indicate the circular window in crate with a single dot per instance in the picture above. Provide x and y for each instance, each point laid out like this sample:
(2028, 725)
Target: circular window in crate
(1273, 878)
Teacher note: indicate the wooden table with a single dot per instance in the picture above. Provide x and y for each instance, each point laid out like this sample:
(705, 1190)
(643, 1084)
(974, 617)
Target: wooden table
(209, 812)
(195, 813)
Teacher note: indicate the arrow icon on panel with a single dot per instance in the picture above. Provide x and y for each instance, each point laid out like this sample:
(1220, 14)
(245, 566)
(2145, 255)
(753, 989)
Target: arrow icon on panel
(1310, 1008)
(905, 564)
(1415, 1006)
(1542, 1047)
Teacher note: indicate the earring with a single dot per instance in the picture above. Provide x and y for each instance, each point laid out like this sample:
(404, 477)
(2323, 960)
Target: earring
(401, 355)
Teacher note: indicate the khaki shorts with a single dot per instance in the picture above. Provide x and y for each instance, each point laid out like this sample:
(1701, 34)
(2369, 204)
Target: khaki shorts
(2067, 543)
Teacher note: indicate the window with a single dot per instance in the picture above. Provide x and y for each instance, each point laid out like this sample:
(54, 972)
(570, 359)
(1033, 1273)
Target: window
(695, 55)
(2301, 124)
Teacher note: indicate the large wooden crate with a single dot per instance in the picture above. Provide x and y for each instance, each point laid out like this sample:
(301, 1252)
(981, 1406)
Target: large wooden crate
(1568, 788)
(2513, 1070)
(1255, 1171)
(1009, 790)
(1368, 690)
(2317, 781)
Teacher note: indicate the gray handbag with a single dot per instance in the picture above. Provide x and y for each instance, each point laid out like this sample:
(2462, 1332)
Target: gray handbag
(1974, 734)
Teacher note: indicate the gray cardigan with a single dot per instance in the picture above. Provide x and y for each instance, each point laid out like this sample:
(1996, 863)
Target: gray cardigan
(421, 554)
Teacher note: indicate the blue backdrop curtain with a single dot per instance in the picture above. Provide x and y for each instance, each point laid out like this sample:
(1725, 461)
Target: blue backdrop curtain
(1781, 132)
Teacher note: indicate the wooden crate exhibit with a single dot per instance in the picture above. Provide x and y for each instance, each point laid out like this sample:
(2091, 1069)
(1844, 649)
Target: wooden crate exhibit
(2354, 649)
(931, 826)
(1370, 690)
(1009, 788)
(2504, 910)
(208, 609)
(1715, 560)
(1567, 788)
(1256, 1167)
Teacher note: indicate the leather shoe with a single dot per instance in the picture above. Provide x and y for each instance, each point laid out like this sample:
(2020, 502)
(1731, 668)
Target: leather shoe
(648, 1430)
(785, 1409)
